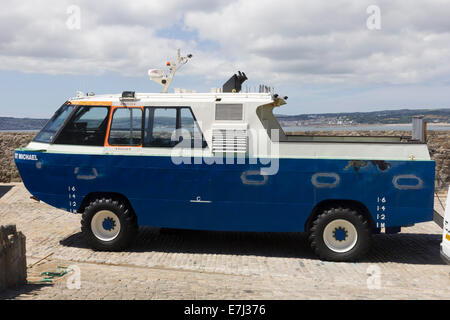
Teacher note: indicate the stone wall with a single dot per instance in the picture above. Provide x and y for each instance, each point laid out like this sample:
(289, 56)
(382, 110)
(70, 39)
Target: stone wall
(13, 265)
(439, 146)
(8, 142)
(438, 143)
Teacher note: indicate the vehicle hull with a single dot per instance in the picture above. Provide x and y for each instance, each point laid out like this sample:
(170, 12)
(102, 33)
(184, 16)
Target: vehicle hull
(232, 197)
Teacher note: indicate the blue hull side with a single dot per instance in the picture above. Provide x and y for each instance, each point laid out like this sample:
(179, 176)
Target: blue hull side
(232, 197)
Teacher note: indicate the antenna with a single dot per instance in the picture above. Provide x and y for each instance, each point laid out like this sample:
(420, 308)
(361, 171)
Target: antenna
(165, 79)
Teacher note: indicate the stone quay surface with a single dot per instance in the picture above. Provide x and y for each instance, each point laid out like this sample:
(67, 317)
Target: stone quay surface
(182, 264)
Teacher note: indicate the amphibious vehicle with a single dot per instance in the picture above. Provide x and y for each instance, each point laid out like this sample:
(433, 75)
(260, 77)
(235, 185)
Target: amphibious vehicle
(221, 161)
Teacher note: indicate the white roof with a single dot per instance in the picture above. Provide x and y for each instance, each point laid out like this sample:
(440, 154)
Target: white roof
(172, 97)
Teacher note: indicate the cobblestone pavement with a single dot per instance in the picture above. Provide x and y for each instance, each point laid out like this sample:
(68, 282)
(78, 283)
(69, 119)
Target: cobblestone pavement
(181, 264)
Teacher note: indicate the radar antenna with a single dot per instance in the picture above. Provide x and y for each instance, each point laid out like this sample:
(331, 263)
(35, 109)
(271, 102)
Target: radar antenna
(164, 79)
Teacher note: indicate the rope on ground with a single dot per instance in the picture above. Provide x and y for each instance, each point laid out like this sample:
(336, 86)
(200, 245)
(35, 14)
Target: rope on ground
(49, 276)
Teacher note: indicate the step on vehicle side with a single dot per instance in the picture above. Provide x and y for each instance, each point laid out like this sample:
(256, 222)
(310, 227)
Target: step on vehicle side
(221, 161)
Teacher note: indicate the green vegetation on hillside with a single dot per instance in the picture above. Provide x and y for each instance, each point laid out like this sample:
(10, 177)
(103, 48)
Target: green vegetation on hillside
(376, 117)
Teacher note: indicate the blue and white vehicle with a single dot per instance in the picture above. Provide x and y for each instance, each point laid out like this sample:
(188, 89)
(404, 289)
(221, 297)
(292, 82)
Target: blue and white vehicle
(221, 161)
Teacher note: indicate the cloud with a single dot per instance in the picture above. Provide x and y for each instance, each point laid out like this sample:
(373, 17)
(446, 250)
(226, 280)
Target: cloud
(282, 41)
(329, 42)
(114, 36)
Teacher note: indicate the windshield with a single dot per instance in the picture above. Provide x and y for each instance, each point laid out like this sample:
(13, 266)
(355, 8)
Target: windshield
(53, 125)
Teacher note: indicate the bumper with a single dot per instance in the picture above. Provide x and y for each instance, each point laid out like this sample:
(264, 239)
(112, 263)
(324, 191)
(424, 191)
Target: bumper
(444, 256)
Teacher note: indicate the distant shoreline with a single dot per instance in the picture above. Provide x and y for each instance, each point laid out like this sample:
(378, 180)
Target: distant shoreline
(368, 127)
(441, 126)
(444, 124)
(21, 131)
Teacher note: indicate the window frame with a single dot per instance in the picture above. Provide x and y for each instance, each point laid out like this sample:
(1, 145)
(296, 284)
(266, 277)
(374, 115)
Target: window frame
(111, 118)
(177, 125)
(70, 118)
(67, 103)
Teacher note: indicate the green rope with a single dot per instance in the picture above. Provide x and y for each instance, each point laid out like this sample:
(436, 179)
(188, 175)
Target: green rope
(49, 275)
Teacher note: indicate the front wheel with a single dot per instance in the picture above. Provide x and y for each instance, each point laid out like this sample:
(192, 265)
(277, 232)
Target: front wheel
(340, 234)
(108, 225)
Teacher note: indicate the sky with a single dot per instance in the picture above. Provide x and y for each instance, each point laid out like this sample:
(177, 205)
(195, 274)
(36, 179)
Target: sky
(326, 56)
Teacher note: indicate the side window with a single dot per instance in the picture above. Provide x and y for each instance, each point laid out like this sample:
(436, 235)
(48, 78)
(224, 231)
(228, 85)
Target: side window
(187, 122)
(126, 127)
(87, 127)
(160, 124)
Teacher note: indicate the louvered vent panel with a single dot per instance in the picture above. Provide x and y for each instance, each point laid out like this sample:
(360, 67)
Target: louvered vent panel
(226, 111)
(229, 140)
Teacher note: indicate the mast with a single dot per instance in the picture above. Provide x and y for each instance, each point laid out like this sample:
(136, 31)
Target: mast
(164, 79)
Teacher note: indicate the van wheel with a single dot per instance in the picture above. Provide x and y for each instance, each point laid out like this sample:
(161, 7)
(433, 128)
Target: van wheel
(340, 234)
(108, 225)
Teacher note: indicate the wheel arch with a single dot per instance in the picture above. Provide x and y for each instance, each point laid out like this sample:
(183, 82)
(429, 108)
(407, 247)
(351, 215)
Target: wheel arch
(98, 195)
(330, 203)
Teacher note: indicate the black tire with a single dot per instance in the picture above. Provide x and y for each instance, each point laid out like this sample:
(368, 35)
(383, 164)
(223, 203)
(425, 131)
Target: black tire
(357, 247)
(123, 214)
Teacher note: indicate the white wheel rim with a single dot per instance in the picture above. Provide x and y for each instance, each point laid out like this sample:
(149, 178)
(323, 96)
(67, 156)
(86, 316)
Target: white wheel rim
(105, 225)
(340, 235)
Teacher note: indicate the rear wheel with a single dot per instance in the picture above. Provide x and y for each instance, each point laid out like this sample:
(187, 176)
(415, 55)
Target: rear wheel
(340, 234)
(108, 225)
